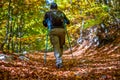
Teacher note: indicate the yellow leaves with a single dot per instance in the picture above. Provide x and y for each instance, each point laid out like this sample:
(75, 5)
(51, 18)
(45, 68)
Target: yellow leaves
(68, 5)
(3, 23)
(74, 0)
(30, 39)
(30, 1)
(61, 6)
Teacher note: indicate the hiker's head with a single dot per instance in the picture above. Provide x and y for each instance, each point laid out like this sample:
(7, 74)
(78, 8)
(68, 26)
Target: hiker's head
(53, 6)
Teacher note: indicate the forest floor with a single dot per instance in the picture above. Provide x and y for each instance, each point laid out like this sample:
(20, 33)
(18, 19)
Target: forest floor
(101, 63)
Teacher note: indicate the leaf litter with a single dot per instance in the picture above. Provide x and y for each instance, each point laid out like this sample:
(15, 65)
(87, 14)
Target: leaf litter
(103, 64)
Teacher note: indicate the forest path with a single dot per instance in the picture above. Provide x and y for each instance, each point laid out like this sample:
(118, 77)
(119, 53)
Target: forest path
(87, 64)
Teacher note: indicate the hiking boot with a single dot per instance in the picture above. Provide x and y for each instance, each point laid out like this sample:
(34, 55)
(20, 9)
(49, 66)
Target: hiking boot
(59, 65)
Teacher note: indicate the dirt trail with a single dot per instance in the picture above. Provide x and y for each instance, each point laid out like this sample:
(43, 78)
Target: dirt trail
(88, 64)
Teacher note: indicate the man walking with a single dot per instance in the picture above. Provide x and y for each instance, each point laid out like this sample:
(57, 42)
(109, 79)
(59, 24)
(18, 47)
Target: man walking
(55, 20)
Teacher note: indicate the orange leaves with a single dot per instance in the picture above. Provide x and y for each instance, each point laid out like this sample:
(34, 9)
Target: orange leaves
(87, 67)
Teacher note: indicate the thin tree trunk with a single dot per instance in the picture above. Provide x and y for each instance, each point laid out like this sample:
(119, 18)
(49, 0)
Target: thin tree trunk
(6, 41)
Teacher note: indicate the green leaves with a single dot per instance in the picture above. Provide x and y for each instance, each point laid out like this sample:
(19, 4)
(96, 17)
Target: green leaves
(29, 14)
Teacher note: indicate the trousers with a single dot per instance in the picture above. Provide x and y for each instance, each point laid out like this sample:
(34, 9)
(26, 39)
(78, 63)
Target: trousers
(57, 39)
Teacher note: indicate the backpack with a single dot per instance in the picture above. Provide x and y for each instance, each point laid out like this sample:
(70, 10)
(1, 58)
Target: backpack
(57, 18)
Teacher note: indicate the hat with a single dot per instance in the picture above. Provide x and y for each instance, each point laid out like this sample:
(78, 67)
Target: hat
(53, 6)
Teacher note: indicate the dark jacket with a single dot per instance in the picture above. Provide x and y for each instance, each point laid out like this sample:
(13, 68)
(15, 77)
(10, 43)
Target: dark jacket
(48, 16)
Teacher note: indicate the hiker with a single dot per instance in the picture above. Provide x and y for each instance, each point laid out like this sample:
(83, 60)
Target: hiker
(55, 20)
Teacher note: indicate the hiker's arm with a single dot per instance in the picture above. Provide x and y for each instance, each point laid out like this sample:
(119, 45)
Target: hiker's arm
(66, 20)
(45, 20)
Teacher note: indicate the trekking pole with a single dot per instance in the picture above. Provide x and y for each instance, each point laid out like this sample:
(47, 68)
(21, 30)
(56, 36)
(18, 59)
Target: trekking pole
(68, 41)
(46, 48)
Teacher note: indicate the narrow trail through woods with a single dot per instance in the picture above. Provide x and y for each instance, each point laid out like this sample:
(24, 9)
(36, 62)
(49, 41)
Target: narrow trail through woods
(97, 63)
(88, 63)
